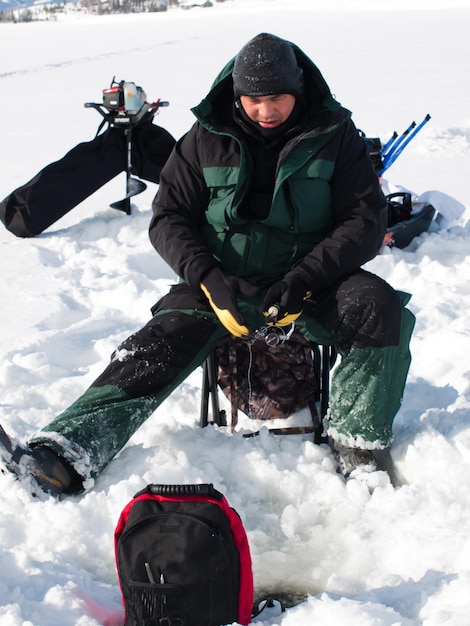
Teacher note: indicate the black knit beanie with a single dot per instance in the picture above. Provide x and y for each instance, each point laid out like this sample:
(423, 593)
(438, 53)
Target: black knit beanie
(267, 65)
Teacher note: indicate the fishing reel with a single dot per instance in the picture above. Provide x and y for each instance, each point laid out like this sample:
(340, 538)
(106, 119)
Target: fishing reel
(273, 336)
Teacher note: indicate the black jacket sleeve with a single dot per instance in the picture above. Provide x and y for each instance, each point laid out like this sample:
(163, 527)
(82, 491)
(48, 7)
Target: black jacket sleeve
(178, 211)
(360, 213)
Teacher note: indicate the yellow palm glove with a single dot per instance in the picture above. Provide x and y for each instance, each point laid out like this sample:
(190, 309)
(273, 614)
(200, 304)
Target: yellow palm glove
(221, 291)
(284, 302)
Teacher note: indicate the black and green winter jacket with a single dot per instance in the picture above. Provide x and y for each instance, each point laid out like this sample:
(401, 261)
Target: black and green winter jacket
(327, 214)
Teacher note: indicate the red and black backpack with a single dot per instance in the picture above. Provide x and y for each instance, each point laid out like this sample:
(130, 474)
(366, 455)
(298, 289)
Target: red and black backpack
(183, 558)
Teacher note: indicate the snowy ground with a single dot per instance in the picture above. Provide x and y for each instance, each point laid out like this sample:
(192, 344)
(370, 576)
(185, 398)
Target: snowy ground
(391, 558)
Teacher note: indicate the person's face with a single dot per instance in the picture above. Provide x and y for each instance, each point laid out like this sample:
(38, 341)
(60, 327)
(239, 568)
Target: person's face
(268, 111)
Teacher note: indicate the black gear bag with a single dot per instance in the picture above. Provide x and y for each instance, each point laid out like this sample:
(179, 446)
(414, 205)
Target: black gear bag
(62, 185)
(183, 558)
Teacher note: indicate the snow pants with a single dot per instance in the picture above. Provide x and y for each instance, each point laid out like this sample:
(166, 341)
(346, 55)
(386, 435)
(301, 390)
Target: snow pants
(362, 316)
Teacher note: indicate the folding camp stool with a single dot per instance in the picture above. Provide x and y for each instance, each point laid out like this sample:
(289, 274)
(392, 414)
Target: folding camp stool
(324, 358)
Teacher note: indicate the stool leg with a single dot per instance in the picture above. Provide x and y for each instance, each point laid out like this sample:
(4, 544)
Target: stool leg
(325, 380)
(204, 416)
(210, 388)
(327, 359)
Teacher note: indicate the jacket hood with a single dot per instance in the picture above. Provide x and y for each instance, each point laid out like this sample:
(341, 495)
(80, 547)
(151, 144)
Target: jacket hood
(216, 108)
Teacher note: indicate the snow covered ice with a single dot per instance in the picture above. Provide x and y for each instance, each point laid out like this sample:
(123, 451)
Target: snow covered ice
(393, 557)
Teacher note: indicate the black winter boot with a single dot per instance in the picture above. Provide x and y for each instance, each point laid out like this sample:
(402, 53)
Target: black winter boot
(351, 459)
(51, 472)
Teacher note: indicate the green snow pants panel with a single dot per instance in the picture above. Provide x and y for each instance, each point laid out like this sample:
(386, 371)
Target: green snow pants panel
(143, 372)
(366, 320)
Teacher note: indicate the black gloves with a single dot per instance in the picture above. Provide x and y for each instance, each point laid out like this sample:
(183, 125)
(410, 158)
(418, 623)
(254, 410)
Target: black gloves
(282, 304)
(222, 290)
(284, 301)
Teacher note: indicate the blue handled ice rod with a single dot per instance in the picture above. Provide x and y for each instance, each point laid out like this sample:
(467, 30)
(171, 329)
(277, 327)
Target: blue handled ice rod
(387, 152)
(389, 143)
(401, 142)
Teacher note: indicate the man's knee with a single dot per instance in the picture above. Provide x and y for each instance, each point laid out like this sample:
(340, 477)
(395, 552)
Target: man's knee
(182, 297)
(154, 356)
(370, 310)
(361, 311)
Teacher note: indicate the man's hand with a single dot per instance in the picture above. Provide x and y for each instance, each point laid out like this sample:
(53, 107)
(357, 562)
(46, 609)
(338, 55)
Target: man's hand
(284, 302)
(221, 291)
